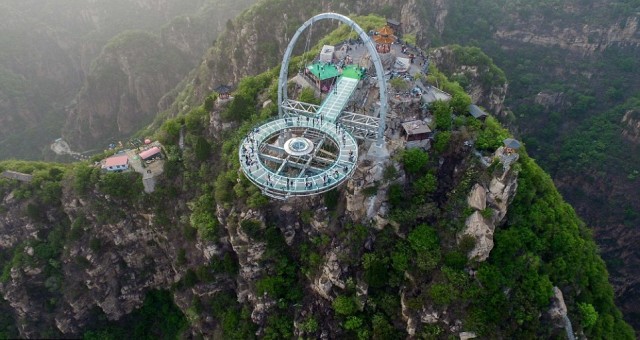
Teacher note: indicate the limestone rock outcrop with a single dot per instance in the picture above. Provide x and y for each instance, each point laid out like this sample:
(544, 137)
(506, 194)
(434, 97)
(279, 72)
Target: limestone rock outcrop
(631, 126)
(489, 96)
(490, 208)
(501, 193)
(467, 335)
(477, 198)
(482, 232)
(330, 276)
(363, 206)
(558, 310)
(407, 316)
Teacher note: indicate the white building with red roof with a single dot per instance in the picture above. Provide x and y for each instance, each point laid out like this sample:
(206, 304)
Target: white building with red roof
(116, 163)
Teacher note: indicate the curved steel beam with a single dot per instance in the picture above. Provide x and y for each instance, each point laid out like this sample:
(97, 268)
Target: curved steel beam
(375, 58)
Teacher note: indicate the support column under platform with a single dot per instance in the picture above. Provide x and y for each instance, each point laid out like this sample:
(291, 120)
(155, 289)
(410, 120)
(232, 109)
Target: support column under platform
(377, 152)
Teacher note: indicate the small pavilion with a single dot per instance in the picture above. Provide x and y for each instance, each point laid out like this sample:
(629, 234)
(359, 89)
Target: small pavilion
(395, 25)
(224, 91)
(416, 130)
(511, 146)
(384, 38)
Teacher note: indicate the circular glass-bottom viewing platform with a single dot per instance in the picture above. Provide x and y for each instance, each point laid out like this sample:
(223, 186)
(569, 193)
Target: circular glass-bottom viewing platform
(298, 156)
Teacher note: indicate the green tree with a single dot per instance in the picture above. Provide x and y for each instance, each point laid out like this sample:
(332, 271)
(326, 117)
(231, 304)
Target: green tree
(423, 239)
(376, 270)
(491, 137)
(399, 84)
(442, 140)
(209, 102)
(307, 95)
(426, 184)
(460, 102)
(170, 131)
(442, 113)
(353, 323)
(414, 160)
(126, 185)
(202, 149)
(344, 305)
(588, 313)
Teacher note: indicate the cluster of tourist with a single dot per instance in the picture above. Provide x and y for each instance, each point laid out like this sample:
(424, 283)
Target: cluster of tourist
(383, 48)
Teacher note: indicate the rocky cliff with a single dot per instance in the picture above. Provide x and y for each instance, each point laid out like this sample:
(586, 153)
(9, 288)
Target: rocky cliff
(133, 77)
(123, 89)
(631, 123)
(385, 256)
(480, 77)
(590, 46)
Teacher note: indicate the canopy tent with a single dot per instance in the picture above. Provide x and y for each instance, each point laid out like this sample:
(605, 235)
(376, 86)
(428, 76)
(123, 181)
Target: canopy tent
(323, 71)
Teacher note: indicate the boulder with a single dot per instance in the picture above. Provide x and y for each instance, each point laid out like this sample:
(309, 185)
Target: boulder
(376, 172)
(467, 335)
(482, 232)
(330, 276)
(429, 316)
(558, 309)
(501, 193)
(477, 198)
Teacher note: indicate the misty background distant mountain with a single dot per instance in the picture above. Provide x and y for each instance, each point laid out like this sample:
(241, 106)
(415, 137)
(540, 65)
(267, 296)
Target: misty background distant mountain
(54, 54)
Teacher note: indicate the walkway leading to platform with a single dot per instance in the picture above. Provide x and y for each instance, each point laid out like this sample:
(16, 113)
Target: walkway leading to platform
(337, 99)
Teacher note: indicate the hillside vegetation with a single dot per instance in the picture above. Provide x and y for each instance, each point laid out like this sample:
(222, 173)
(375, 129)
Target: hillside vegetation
(236, 269)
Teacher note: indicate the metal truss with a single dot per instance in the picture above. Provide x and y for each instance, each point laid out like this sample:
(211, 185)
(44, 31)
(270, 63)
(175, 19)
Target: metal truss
(300, 108)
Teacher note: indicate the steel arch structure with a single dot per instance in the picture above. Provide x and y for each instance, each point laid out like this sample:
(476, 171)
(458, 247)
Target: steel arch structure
(375, 58)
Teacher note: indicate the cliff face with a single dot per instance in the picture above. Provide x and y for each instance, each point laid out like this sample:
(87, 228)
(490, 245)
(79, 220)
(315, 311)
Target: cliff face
(485, 83)
(116, 255)
(631, 124)
(583, 37)
(115, 249)
(123, 88)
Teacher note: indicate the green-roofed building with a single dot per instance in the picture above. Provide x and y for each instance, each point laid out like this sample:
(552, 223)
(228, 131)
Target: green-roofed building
(325, 75)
